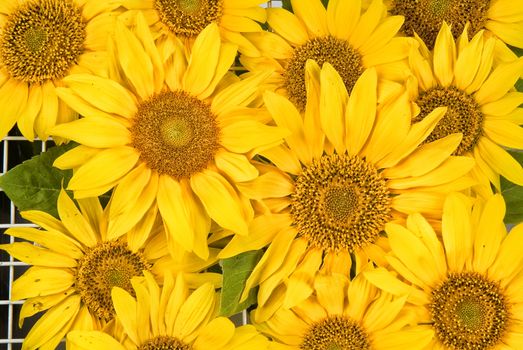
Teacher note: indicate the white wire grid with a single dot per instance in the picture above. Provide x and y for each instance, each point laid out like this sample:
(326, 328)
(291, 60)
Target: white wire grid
(13, 151)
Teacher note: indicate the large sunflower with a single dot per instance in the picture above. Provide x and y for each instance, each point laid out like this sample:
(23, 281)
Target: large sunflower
(480, 100)
(187, 18)
(178, 135)
(339, 35)
(469, 287)
(75, 266)
(347, 169)
(171, 318)
(503, 18)
(42, 42)
(348, 315)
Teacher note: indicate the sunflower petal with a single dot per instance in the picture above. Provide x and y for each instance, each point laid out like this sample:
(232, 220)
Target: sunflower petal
(94, 132)
(333, 101)
(287, 25)
(456, 231)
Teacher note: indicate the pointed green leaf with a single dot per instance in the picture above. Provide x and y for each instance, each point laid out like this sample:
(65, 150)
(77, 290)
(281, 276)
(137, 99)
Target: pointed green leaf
(513, 195)
(236, 270)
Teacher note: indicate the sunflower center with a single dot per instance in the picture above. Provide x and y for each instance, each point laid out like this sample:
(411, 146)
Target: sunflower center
(469, 312)
(335, 333)
(424, 17)
(107, 265)
(164, 343)
(188, 17)
(42, 39)
(339, 53)
(175, 133)
(463, 115)
(340, 203)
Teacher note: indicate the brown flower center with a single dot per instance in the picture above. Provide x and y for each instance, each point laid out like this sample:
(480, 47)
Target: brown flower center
(463, 115)
(340, 203)
(164, 343)
(469, 312)
(42, 40)
(188, 17)
(175, 133)
(339, 53)
(424, 17)
(107, 265)
(335, 333)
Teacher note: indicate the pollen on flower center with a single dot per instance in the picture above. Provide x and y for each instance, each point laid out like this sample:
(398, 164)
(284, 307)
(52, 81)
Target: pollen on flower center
(42, 39)
(107, 265)
(340, 203)
(188, 17)
(339, 53)
(425, 17)
(463, 115)
(335, 333)
(164, 343)
(175, 133)
(469, 312)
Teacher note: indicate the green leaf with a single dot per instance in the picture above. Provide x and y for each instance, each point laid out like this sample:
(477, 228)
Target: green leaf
(513, 195)
(236, 270)
(35, 184)
(286, 4)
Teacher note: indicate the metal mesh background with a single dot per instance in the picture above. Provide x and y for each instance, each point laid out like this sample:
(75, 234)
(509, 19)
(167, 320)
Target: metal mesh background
(13, 151)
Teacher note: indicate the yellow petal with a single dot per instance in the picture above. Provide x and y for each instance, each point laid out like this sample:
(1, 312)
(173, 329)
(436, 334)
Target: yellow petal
(226, 58)
(94, 132)
(330, 291)
(333, 101)
(312, 14)
(75, 157)
(49, 112)
(382, 313)
(87, 340)
(29, 114)
(114, 99)
(468, 62)
(499, 81)
(41, 281)
(215, 334)
(244, 136)
(421, 68)
(272, 184)
(510, 33)
(75, 222)
(382, 34)
(236, 166)
(485, 68)
(33, 255)
(509, 259)
(287, 25)
(283, 158)
(418, 201)
(504, 133)
(444, 56)
(342, 17)
(361, 111)
(203, 60)
(195, 310)
(500, 161)
(13, 98)
(95, 173)
(456, 231)
(220, 200)
(32, 306)
(125, 307)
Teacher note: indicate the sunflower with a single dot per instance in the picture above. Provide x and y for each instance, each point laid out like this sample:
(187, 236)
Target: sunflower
(339, 35)
(480, 100)
(349, 315)
(188, 18)
(169, 317)
(178, 135)
(347, 169)
(41, 43)
(75, 266)
(502, 18)
(468, 287)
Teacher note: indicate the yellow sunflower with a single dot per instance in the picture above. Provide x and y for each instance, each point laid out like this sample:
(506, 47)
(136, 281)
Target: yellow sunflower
(41, 43)
(344, 314)
(178, 135)
(339, 35)
(169, 317)
(187, 18)
(348, 168)
(503, 18)
(74, 267)
(469, 287)
(480, 100)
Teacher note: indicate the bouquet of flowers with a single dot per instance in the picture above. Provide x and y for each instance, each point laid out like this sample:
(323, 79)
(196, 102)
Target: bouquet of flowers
(347, 171)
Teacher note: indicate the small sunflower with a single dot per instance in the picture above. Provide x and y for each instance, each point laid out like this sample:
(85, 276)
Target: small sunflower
(348, 168)
(41, 43)
(348, 315)
(480, 100)
(339, 35)
(503, 18)
(74, 267)
(169, 317)
(178, 135)
(186, 19)
(468, 287)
